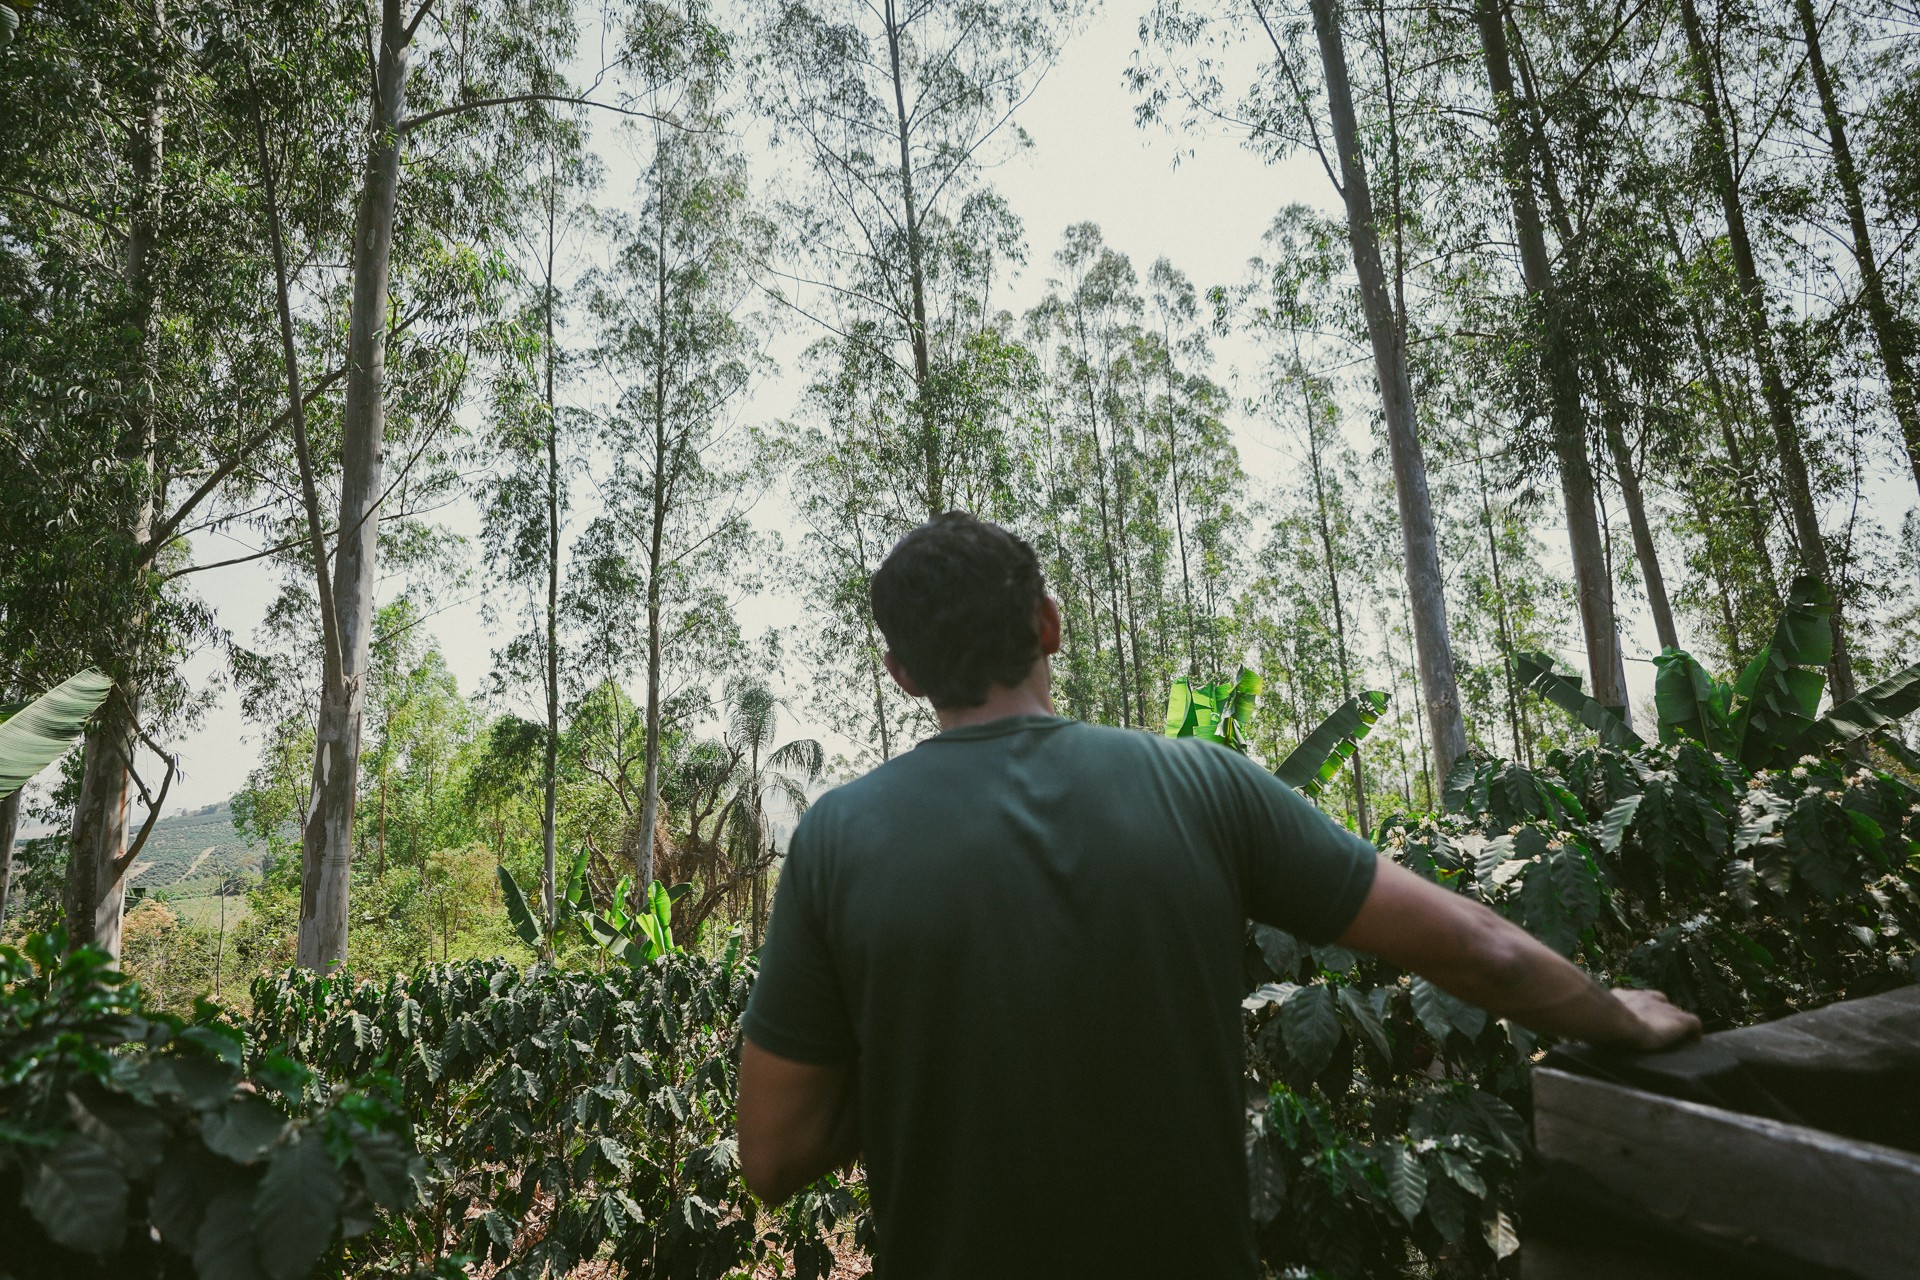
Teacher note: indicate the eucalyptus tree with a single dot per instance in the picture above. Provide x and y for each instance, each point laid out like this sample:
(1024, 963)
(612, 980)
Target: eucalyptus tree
(1092, 319)
(1198, 466)
(1718, 169)
(488, 75)
(1280, 112)
(896, 109)
(679, 345)
(139, 383)
(535, 454)
(1893, 334)
(1558, 325)
(1291, 304)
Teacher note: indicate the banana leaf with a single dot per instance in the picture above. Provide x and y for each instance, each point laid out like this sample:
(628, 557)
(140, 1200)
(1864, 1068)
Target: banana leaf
(1535, 671)
(579, 894)
(1220, 712)
(1311, 765)
(40, 733)
(525, 923)
(1690, 703)
(1892, 699)
(1775, 698)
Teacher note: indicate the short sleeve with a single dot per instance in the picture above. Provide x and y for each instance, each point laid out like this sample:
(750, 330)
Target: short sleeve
(1300, 870)
(798, 1010)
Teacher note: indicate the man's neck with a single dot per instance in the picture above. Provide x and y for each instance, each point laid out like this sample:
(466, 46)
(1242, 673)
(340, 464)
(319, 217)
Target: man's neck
(1028, 699)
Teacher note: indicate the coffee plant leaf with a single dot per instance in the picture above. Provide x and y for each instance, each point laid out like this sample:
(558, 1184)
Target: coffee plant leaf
(223, 1248)
(1501, 1237)
(1311, 1030)
(1446, 1209)
(386, 1167)
(1367, 1018)
(243, 1130)
(77, 1192)
(132, 1134)
(1407, 1182)
(296, 1207)
(1616, 820)
(189, 1176)
(1281, 951)
(1461, 1170)
(1441, 1013)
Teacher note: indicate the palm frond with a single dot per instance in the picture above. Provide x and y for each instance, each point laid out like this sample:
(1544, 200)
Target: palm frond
(803, 756)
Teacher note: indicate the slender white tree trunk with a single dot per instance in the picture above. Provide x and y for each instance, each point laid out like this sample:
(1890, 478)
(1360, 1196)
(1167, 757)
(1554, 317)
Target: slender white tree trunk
(1425, 586)
(328, 840)
(96, 874)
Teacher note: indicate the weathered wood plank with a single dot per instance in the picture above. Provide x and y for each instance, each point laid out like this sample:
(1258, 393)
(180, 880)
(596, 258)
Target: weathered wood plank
(1807, 1194)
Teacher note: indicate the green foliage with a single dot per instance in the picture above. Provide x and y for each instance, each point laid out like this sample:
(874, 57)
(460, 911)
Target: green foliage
(1763, 719)
(1218, 712)
(1390, 1135)
(133, 1145)
(630, 931)
(1311, 765)
(1223, 713)
(35, 735)
(562, 1114)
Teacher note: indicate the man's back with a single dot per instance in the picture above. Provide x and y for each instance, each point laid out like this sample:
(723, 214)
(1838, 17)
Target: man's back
(1029, 933)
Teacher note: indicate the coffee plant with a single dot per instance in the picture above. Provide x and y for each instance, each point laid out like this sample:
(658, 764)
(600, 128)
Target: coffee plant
(1390, 1126)
(133, 1145)
(564, 1116)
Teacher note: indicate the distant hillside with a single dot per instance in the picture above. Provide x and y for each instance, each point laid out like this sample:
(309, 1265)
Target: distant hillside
(188, 854)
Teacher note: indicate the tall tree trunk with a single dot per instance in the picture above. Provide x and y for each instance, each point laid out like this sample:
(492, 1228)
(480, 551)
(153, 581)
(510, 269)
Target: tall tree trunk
(1593, 591)
(96, 874)
(1773, 387)
(9, 828)
(1179, 511)
(327, 852)
(1893, 338)
(650, 788)
(550, 757)
(916, 280)
(1644, 549)
(1358, 770)
(1425, 586)
(1499, 600)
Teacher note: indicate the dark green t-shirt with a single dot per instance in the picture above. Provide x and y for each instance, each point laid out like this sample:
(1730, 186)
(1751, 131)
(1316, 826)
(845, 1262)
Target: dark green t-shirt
(1029, 933)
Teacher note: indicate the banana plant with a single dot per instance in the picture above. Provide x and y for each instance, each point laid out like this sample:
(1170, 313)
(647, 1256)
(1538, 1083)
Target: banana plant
(1216, 712)
(637, 931)
(1766, 717)
(630, 930)
(35, 734)
(1223, 712)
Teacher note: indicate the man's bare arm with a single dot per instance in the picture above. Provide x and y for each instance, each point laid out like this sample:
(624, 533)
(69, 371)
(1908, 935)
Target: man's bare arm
(797, 1122)
(1467, 949)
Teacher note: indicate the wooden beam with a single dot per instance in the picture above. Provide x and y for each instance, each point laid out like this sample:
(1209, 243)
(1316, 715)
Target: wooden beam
(1831, 1201)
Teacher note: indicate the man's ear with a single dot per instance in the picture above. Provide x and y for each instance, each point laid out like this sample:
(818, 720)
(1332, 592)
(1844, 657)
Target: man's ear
(900, 676)
(1046, 622)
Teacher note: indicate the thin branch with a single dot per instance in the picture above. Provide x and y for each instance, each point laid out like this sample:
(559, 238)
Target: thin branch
(154, 806)
(165, 533)
(479, 104)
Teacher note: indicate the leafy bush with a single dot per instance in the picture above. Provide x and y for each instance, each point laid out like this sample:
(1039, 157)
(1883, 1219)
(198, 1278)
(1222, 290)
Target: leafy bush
(564, 1115)
(1392, 1122)
(131, 1144)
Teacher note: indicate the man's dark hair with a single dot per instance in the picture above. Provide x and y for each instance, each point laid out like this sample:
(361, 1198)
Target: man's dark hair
(955, 600)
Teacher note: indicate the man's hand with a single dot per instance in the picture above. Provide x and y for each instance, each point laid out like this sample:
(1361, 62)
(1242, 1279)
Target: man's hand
(1467, 949)
(1663, 1023)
